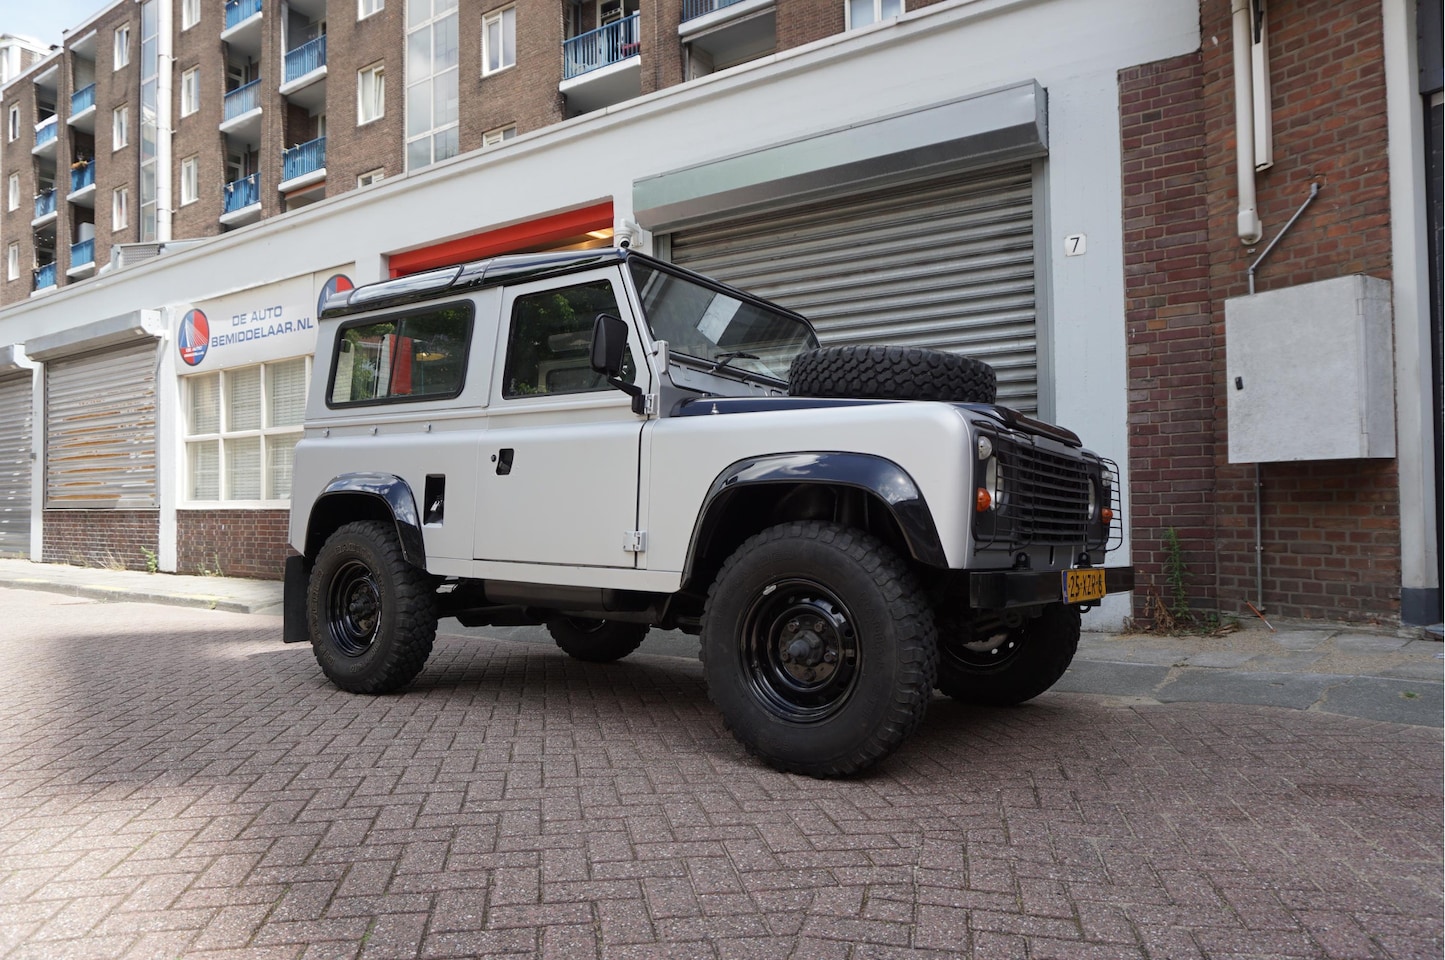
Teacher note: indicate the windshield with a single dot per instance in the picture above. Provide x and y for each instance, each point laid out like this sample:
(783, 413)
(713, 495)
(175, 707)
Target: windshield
(709, 326)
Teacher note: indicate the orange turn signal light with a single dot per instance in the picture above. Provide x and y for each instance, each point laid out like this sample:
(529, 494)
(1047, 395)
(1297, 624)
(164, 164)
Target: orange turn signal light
(984, 501)
(1107, 514)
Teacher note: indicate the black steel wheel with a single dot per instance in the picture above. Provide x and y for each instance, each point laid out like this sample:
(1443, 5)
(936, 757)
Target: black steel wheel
(371, 614)
(596, 641)
(818, 648)
(991, 663)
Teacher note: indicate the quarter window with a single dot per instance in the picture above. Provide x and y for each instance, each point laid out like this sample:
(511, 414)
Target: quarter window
(549, 346)
(416, 356)
(242, 426)
(499, 40)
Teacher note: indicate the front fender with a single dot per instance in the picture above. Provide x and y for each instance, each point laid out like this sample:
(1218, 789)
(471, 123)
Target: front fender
(391, 494)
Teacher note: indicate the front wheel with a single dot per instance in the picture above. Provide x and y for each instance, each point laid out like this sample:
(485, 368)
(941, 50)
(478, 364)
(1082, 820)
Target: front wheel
(596, 641)
(818, 648)
(998, 665)
(372, 615)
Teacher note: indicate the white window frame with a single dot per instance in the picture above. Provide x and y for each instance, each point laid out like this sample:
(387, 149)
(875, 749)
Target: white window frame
(190, 13)
(12, 261)
(12, 123)
(120, 127)
(377, 73)
(505, 17)
(221, 435)
(500, 135)
(190, 91)
(120, 208)
(12, 192)
(371, 176)
(369, 8)
(877, 13)
(190, 180)
(122, 46)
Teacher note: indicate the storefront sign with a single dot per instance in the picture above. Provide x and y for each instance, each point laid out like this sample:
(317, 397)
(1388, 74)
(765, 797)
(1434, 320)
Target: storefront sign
(264, 323)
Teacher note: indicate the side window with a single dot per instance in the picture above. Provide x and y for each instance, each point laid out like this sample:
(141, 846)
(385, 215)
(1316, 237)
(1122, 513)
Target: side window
(550, 340)
(416, 356)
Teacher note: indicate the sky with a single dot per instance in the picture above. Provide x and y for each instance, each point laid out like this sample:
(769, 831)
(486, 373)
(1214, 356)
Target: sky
(44, 19)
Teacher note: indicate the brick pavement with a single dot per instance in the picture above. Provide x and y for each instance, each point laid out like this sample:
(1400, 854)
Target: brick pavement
(177, 783)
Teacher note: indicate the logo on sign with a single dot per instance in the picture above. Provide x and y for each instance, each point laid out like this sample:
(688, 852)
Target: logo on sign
(195, 337)
(339, 283)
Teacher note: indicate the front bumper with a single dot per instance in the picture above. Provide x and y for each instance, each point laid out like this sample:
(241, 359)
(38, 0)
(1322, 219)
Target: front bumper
(998, 589)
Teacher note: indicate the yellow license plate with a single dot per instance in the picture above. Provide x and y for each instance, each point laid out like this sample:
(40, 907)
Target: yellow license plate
(1081, 586)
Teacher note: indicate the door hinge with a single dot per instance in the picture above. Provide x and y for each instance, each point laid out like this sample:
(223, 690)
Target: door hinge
(649, 405)
(635, 541)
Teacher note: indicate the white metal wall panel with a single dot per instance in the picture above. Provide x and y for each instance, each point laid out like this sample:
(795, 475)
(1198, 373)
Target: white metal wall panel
(100, 440)
(15, 426)
(946, 263)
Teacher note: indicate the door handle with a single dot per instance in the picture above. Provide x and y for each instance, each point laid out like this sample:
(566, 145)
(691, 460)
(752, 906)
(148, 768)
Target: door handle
(504, 461)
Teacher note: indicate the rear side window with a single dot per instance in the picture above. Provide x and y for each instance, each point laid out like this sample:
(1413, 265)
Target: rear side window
(549, 347)
(414, 356)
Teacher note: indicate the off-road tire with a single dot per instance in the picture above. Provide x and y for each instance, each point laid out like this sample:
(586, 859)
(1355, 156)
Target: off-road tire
(596, 641)
(891, 373)
(372, 615)
(1028, 660)
(811, 589)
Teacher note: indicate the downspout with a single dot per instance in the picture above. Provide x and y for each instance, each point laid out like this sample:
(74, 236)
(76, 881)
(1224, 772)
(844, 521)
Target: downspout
(1248, 221)
(165, 61)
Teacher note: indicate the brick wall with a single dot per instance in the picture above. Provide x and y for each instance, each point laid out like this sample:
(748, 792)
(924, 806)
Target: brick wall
(15, 157)
(235, 543)
(1331, 529)
(352, 44)
(525, 94)
(198, 135)
(101, 538)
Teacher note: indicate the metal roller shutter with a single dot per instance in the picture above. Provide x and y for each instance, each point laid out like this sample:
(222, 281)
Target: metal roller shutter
(100, 444)
(15, 425)
(946, 263)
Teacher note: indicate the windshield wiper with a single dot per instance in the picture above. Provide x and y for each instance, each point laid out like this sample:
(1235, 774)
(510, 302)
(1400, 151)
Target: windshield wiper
(723, 359)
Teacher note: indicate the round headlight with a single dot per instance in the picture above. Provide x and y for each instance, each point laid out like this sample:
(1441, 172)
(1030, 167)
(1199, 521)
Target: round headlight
(985, 448)
(1093, 500)
(993, 479)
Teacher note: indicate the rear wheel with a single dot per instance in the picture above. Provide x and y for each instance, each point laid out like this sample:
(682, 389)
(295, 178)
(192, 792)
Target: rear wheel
(596, 641)
(989, 662)
(818, 648)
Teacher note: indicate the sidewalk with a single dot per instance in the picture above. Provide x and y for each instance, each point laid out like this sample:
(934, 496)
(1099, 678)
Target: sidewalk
(1385, 674)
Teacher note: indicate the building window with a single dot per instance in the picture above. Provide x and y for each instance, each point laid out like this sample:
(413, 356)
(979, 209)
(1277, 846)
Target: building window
(120, 208)
(499, 40)
(863, 12)
(242, 425)
(12, 193)
(370, 94)
(190, 13)
(12, 123)
(493, 137)
(12, 262)
(365, 8)
(122, 46)
(190, 91)
(190, 180)
(431, 82)
(120, 128)
(370, 177)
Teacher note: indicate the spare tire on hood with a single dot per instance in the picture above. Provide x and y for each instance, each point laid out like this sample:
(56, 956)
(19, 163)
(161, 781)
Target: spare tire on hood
(878, 372)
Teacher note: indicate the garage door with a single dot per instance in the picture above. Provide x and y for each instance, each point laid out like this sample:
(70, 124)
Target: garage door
(15, 466)
(945, 263)
(100, 441)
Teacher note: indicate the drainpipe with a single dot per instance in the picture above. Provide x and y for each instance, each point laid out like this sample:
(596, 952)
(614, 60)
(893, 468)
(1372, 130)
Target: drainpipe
(165, 61)
(1248, 221)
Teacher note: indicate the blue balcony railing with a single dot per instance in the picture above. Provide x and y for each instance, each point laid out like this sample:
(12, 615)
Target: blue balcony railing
(45, 276)
(692, 9)
(45, 203)
(240, 194)
(82, 253)
(241, 100)
(240, 10)
(82, 177)
(82, 99)
(311, 55)
(601, 47)
(303, 159)
(46, 131)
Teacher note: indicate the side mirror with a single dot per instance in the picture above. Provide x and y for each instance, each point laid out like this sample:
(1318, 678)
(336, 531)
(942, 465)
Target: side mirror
(609, 347)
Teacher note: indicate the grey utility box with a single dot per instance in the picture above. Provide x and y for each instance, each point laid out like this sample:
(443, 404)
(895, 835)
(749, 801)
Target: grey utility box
(1311, 372)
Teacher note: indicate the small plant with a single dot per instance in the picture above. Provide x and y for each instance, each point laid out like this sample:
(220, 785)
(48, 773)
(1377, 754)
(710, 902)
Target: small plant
(1176, 575)
(152, 560)
(211, 570)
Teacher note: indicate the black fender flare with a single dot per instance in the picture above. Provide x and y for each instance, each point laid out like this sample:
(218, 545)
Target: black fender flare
(393, 493)
(879, 476)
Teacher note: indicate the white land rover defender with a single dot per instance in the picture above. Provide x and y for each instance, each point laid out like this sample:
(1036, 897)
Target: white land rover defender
(604, 443)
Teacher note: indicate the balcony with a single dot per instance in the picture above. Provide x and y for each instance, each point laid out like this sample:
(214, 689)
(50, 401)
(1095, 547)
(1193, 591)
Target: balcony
(241, 201)
(44, 207)
(82, 186)
(45, 277)
(241, 112)
(304, 60)
(721, 33)
(603, 66)
(243, 26)
(82, 108)
(46, 132)
(82, 259)
(303, 166)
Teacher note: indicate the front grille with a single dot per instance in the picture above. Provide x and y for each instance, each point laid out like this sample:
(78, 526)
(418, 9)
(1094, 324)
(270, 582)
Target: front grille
(1043, 497)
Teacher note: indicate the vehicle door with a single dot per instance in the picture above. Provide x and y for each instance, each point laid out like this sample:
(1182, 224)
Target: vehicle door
(559, 463)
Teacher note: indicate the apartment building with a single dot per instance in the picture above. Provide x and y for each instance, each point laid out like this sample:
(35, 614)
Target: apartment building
(1050, 185)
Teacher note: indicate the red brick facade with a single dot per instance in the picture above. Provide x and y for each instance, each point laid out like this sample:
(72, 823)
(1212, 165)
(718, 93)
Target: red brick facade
(232, 543)
(1330, 529)
(120, 539)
